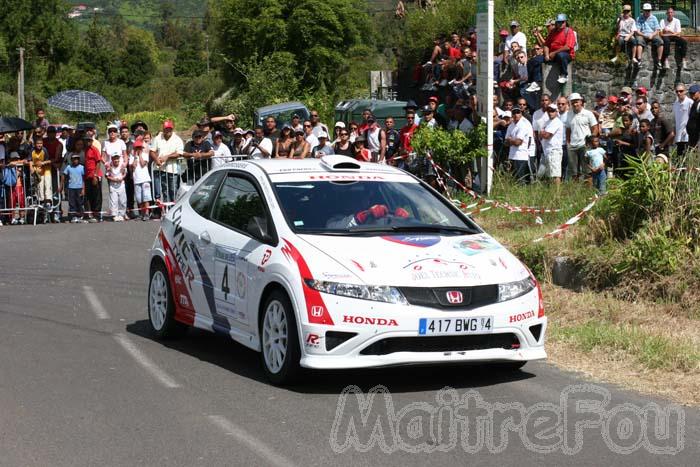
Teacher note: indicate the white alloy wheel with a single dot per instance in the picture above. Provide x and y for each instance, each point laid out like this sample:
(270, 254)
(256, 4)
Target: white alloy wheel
(275, 336)
(158, 300)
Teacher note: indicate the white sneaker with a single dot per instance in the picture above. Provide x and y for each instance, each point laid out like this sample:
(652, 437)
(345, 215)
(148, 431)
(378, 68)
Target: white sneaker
(533, 87)
(118, 219)
(443, 82)
(22, 221)
(614, 59)
(635, 61)
(562, 79)
(685, 64)
(666, 64)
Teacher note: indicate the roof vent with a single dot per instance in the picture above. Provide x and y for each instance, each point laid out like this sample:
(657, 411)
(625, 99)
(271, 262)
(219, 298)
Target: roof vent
(337, 162)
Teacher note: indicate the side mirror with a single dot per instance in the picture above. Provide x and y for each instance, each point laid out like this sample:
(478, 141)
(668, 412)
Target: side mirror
(257, 227)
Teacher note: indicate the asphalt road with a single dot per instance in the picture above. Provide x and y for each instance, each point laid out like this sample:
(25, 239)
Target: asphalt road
(83, 383)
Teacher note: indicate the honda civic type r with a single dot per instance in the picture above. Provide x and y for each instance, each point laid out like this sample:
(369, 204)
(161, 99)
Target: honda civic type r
(330, 263)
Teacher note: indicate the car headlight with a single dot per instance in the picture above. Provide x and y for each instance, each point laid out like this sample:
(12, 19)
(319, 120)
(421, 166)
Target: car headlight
(377, 293)
(511, 290)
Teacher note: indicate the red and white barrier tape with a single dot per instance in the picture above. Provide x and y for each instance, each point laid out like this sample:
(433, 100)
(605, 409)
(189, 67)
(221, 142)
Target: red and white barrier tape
(566, 225)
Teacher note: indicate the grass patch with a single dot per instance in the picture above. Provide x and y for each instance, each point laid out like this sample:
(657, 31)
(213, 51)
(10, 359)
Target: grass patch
(651, 351)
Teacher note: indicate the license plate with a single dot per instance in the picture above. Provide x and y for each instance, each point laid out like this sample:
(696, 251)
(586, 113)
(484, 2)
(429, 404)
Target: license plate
(446, 326)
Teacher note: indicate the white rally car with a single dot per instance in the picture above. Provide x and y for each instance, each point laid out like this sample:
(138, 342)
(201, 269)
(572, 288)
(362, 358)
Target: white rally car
(330, 263)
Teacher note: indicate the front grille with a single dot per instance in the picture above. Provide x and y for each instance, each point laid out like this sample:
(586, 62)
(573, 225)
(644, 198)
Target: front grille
(442, 343)
(472, 297)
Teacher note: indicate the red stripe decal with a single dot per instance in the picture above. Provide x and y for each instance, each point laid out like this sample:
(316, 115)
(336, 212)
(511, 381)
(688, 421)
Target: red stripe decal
(184, 308)
(315, 307)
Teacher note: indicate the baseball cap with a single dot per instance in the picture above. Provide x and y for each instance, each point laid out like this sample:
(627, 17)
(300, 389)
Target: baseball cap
(514, 23)
(693, 89)
(323, 134)
(360, 139)
(626, 8)
(217, 134)
(138, 143)
(549, 22)
(427, 109)
(574, 96)
(138, 123)
(626, 90)
(198, 134)
(561, 17)
(642, 90)
(168, 124)
(411, 104)
(433, 98)
(88, 125)
(116, 154)
(112, 126)
(552, 107)
(339, 124)
(516, 110)
(299, 132)
(612, 99)
(503, 32)
(204, 122)
(252, 132)
(73, 156)
(14, 155)
(600, 94)
(296, 116)
(646, 6)
(66, 127)
(507, 114)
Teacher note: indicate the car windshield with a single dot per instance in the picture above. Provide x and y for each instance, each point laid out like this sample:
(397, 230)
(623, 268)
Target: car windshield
(366, 207)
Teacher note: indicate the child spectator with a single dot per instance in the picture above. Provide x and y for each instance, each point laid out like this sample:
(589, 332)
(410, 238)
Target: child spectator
(116, 172)
(41, 172)
(76, 188)
(646, 140)
(596, 164)
(142, 179)
(13, 180)
(361, 152)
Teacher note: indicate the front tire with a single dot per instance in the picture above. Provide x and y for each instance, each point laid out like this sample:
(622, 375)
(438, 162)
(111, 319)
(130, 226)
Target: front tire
(279, 340)
(161, 306)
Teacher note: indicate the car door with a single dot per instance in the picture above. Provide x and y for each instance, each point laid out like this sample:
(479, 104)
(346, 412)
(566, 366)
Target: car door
(238, 208)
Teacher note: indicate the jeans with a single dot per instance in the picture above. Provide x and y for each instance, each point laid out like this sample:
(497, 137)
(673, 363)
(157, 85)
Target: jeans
(75, 202)
(562, 59)
(576, 165)
(534, 68)
(521, 171)
(600, 180)
(169, 184)
(93, 195)
(681, 47)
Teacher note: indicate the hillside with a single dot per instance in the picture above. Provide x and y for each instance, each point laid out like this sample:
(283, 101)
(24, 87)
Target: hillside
(143, 13)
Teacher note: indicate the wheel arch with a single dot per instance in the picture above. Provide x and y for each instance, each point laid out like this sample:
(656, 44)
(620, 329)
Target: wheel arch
(267, 290)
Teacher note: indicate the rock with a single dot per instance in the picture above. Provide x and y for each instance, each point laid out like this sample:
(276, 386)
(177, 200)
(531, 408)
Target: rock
(566, 273)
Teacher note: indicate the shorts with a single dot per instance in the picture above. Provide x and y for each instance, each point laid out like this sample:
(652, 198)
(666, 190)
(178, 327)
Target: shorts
(16, 195)
(142, 192)
(553, 163)
(656, 41)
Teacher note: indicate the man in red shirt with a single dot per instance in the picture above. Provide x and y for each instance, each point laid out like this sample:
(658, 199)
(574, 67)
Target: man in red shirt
(405, 135)
(55, 150)
(93, 181)
(559, 47)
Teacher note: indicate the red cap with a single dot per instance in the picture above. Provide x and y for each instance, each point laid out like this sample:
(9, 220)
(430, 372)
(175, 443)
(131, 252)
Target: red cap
(503, 32)
(642, 90)
(168, 124)
(138, 143)
(433, 99)
(612, 99)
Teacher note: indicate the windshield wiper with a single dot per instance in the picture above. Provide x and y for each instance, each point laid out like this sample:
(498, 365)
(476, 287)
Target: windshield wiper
(413, 228)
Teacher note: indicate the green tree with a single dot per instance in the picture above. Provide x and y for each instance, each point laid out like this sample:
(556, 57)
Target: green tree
(190, 59)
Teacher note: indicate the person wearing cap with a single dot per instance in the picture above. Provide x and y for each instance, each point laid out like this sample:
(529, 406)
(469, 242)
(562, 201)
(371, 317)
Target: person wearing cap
(624, 37)
(412, 107)
(336, 131)
(516, 35)
(324, 148)
(362, 154)
(165, 150)
(601, 102)
(438, 109)
(142, 179)
(55, 149)
(115, 174)
(559, 47)
(503, 49)
(648, 32)
(428, 120)
(138, 125)
(300, 148)
(91, 130)
(693, 125)
(549, 25)
(296, 123)
(73, 173)
(284, 142)
(607, 118)
(581, 123)
(222, 153)
(375, 138)
(343, 146)
(198, 152)
(521, 140)
(551, 136)
(93, 178)
(671, 32)
(406, 133)
(681, 111)
(661, 129)
(236, 144)
(113, 145)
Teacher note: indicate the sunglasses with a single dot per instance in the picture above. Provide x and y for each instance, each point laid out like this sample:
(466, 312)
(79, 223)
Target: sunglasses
(307, 126)
(314, 115)
(680, 91)
(639, 103)
(344, 134)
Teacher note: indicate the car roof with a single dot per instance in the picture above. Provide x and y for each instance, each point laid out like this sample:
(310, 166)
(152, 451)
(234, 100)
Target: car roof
(280, 107)
(324, 164)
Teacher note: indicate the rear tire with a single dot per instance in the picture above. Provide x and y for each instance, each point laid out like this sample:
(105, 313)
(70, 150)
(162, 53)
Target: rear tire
(161, 306)
(279, 340)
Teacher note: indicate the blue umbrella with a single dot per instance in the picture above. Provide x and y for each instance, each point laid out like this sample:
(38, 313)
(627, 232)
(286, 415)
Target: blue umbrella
(81, 101)
(13, 124)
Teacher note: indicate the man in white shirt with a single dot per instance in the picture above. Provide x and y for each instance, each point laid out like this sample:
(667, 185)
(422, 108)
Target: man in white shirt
(681, 110)
(552, 137)
(516, 35)
(580, 124)
(671, 32)
(539, 119)
(222, 153)
(165, 150)
(261, 146)
(521, 140)
(113, 146)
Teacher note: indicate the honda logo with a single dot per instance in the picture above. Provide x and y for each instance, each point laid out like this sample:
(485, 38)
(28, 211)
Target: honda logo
(317, 311)
(454, 297)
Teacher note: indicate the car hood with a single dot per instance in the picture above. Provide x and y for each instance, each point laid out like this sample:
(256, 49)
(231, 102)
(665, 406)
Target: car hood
(417, 260)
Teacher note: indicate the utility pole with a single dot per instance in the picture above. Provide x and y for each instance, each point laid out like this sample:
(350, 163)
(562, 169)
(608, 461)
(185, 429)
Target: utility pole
(20, 84)
(206, 40)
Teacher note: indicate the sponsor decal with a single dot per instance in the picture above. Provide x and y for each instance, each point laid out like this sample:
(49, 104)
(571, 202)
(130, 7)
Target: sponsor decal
(184, 301)
(177, 265)
(420, 241)
(454, 297)
(369, 320)
(312, 297)
(313, 340)
(345, 177)
(226, 256)
(476, 244)
(521, 317)
(334, 276)
(317, 311)
(359, 266)
(503, 263)
(266, 257)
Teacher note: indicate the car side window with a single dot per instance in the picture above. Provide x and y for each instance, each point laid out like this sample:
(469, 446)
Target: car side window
(203, 197)
(239, 205)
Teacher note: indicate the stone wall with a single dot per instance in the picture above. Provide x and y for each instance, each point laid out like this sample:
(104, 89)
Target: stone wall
(609, 77)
